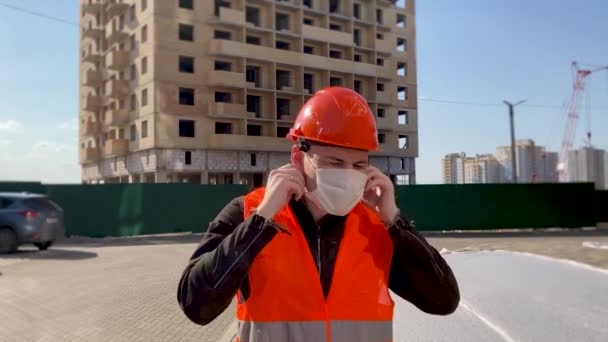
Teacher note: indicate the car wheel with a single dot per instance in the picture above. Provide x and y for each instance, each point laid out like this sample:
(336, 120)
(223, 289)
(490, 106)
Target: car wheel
(43, 246)
(8, 241)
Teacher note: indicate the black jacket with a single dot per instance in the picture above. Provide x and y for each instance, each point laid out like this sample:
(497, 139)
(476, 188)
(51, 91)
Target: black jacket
(218, 268)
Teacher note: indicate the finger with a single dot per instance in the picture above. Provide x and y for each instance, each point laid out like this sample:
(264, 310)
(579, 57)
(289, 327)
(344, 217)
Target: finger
(372, 184)
(295, 189)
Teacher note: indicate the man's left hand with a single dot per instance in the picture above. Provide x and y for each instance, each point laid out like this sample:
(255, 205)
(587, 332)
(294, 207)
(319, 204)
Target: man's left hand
(379, 194)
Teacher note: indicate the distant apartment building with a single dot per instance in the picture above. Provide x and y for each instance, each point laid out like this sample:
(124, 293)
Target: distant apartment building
(460, 169)
(534, 163)
(204, 91)
(589, 164)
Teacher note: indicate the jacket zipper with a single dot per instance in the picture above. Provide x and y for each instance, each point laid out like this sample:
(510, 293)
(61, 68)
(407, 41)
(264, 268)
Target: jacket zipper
(319, 250)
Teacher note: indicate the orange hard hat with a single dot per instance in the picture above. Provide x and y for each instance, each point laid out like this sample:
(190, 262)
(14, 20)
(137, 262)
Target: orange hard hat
(337, 116)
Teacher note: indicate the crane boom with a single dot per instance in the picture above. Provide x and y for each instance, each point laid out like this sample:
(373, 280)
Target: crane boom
(574, 105)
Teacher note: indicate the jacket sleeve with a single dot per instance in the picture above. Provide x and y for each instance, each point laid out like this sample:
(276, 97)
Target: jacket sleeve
(220, 264)
(419, 274)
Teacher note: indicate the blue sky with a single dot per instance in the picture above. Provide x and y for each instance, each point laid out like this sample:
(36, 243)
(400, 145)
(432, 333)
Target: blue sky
(476, 51)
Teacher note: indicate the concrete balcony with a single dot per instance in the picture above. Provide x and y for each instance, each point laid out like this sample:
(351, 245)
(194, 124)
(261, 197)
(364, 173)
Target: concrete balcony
(385, 72)
(90, 154)
(326, 35)
(385, 45)
(92, 78)
(91, 128)
(116, 147)
(92, 103)
(117, 117)
(241, 142)
(288, 118)
(92, 33)
(92, 58)
(114, 35)
(117, 60)
(116, 8)
(92, 7)
(227, 109)
(230, 17)
(384, 97)
(236, 49)
(226, 78)
(117, 88)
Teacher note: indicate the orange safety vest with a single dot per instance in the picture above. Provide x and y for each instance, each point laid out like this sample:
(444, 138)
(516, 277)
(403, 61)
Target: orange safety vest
(286, 301)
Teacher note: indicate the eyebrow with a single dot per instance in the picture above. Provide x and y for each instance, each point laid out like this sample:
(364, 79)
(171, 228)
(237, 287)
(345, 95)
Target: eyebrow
(336, 159)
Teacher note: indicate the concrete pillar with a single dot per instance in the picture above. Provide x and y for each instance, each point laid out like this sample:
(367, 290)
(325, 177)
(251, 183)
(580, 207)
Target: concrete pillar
(161, 177)
(205, 177)
(412, 179)
(237, 178)
(132, 179)
(142, 178)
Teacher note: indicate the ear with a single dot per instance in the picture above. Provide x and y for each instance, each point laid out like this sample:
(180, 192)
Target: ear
(296, 157)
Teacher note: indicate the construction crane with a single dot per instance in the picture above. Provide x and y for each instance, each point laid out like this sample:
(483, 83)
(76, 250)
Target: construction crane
(578, 89)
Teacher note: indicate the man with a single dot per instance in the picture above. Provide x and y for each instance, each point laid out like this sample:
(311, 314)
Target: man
(312, 256)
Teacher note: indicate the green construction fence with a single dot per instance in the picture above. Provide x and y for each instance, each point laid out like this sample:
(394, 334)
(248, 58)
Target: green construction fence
(140, 209)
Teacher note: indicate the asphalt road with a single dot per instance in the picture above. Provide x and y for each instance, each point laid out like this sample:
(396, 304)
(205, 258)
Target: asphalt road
(515, 297)
(124, 290)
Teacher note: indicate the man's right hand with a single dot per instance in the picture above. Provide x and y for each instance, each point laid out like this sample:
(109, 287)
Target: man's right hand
(283, 183)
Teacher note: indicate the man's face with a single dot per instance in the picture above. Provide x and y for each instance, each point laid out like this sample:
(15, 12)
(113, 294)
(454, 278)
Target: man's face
(327, 157)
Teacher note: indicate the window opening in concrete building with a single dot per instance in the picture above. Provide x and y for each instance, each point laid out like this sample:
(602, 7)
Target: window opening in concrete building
(308, 3)
(357, 11)
(253, 160)
(144, 5)
(401, 69)
(357, 57)
(380, 86)
(144, 65)
(133, 104)
(186, 128)
(308, 21)
(402, 93)
(223, 128)
(254, 105)
(379, 17)
(254, 130)
(335, 54)
(132, 13)
(309, 49)
(403, 141)
(222, 96)
(144, 97)
(186, 96)
(217, 34)
(403, 117)
(133, 132)
(335, 27)
(187, 4)
(282, 107)
(309, 83)
(186, 32)
(401, 44)
(334, 6)
(132, 42)
(144, 129)
(380, 112)
(401, 21)
(380, 61)
(253, 40)
(188, 158)
(281, 21)
(221, 65)
(335, 81)
(252, 74)
(144, 33)
(357, 37)
(282, 131)
(282, 45)
(121, 133)
(253, 15)
(402, 163)
(186, 64)
(381, 138)
(358, 86)
(283, 79)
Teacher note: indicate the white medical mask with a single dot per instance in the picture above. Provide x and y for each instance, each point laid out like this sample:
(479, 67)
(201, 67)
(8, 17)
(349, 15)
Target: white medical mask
(338, 190)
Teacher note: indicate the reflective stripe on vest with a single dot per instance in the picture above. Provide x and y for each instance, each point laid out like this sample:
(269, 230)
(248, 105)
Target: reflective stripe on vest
(286, 301)
(341, 331)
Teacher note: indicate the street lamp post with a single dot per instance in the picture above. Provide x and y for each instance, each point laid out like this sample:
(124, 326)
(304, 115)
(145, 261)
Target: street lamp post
(513, 160)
